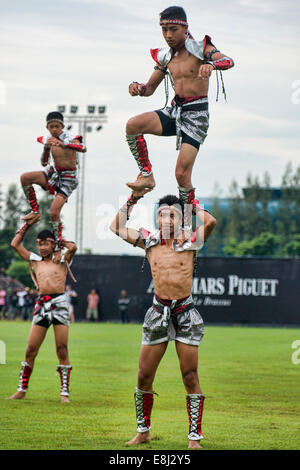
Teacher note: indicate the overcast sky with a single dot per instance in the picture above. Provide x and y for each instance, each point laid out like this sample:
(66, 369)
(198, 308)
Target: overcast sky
(88, 51)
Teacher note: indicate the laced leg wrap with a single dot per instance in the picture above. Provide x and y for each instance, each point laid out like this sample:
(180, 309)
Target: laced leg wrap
(143, 406)
(195, 404)
(187, 195)
(57, 230)
(24, 376)
(64, 372)
(138, 148)
(31, 197)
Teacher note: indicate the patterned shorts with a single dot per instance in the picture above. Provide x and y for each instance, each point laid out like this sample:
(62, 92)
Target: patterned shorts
(54, 311)
(186, 327)
(193, 121)
(62, 181)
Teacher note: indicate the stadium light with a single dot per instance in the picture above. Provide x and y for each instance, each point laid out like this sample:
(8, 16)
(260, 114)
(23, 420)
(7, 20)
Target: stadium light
(91, 109)
(101, 109)
(61, 108)
(73, 109)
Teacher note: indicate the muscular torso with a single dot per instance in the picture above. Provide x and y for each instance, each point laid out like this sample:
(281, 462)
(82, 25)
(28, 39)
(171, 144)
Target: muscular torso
(64, 157)
(172, 271)
(184, 68)
(51, 276)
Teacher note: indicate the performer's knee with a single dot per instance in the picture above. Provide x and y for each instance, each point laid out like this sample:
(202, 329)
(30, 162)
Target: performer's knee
(182, 177)
(190, 378)
(25, 180)
(132, 126)
(54, 213)
(145, 380)
(31, 353)
(62, 351)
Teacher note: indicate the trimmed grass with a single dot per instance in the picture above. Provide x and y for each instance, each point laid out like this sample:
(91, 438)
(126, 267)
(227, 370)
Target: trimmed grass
(251, 384)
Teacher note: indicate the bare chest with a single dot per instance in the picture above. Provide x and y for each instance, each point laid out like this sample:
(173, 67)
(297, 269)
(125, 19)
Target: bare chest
(164, 258)
(65, 155)
(184, 65)
(49, 271)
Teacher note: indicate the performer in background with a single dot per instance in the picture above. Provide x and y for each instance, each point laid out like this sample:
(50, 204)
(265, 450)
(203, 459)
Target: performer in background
(51, 306)
(172, 315)
(59, 179)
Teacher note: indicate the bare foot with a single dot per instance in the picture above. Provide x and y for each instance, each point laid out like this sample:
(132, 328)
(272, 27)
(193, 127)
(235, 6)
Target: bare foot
(194, 445)
(142, 182)
(64, 399)
(32, 217)
(140, 438)
(18, 396)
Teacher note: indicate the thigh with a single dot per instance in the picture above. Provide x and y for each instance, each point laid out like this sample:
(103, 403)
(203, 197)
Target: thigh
(34, 177)
(188, 356)
(61, 334)
(186, 158)
(150, 357)
(146, 123)
(36, 336)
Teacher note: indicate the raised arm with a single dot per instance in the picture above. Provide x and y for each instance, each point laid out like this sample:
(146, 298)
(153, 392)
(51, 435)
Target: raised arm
(208, 222)
(16, 242)
(71, 250)
(118, 225)
(147, 89)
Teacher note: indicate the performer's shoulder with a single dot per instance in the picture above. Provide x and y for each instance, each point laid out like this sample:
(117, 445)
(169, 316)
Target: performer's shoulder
(34, 257)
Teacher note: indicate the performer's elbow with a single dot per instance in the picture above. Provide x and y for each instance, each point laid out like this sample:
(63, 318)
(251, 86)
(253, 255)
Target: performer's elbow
(113, 227)
(212, 222)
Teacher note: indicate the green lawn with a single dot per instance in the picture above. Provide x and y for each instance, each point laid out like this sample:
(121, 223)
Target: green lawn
(251, 384)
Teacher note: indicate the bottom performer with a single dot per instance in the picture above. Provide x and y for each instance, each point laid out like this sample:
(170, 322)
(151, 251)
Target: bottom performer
(173, 315)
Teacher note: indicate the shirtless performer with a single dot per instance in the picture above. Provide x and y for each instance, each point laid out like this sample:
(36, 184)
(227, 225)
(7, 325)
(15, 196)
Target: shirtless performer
(60, 178)
(51, 306)
(172, 315)
(189, 65)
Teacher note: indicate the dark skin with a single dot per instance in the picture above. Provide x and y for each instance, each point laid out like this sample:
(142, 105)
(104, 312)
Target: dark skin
(51, 280)
(64, 157)
(172, 274)
(191, 78)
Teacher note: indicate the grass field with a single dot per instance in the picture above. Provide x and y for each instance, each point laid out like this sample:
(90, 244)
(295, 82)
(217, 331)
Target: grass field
(251, 384)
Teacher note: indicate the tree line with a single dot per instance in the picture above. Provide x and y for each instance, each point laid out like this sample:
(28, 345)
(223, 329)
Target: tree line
(252, 223)
(259, 220)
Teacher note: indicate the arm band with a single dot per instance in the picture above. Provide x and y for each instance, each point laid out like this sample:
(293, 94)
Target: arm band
(211, 53)
(77, 147)
(221, 64)
(160, 69)
(45, 156)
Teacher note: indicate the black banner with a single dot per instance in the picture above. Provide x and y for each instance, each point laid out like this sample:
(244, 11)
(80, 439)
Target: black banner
(225, 290)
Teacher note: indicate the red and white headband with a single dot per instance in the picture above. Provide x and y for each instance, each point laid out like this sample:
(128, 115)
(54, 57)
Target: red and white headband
(164, 22)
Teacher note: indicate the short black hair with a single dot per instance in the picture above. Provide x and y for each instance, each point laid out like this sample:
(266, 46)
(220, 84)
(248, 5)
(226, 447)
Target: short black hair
(173, 13)
(171, 200)
(53, 115)
(44, 234)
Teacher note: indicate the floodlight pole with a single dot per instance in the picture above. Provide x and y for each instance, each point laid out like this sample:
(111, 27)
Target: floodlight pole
(82, 121)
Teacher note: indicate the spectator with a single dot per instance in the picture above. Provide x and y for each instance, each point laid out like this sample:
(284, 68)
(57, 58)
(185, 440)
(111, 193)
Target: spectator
(21, 293)
(123, 306)
(72, 298)
(12, 305)
(93, 302)
(26, 309)
(2, 302)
